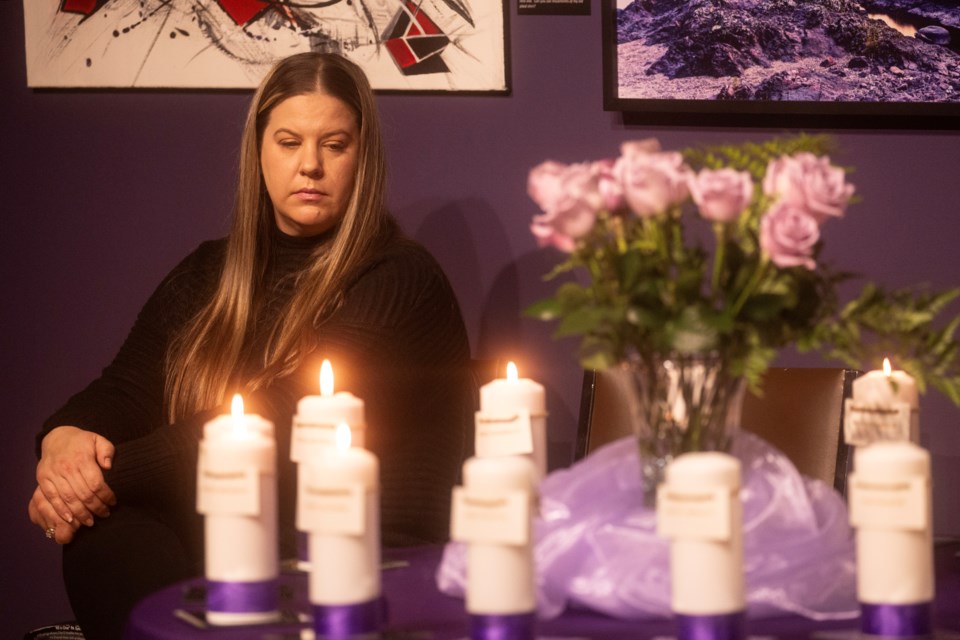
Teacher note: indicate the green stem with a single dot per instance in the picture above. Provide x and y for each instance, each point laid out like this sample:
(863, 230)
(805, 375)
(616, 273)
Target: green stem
(677, 232)
(720, 231)
(620, 236)
(750, 288)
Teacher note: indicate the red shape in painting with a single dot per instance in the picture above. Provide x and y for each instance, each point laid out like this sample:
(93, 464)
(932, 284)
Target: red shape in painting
(401, 52)
(243, 11)
(86, 7)
(414, 40)
(428, 26)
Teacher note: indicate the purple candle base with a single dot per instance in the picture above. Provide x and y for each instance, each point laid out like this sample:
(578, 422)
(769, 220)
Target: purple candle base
(896, 621)
(349, 621)
(518, 626)
(725, 626)
(241, 603)
(242, 597)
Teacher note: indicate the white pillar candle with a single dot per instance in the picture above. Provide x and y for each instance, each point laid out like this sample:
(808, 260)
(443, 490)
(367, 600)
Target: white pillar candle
(237, 493)
(317, 417)
(513, 419)
(885, 405)
(339, 507)
(890, 506)
(492, 514)
(699, 510)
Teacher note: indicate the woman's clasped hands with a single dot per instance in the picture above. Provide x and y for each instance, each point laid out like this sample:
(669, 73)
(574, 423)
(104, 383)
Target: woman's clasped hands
(71, 489)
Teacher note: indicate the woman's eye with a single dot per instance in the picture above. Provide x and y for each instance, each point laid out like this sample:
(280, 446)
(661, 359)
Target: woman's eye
(289, 144)
(336, 146)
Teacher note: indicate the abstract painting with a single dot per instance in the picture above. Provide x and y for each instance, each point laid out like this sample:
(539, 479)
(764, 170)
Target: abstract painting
(402, 45)
(783, 56)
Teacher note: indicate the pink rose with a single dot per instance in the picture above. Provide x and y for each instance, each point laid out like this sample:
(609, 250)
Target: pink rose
(608, 186)
(651, 181)
(544, 184)
(721, 195)
(788, 234)
(810, 182)
(569, 198)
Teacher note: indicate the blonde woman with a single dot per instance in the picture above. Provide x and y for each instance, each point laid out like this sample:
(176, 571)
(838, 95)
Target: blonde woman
(313, 268)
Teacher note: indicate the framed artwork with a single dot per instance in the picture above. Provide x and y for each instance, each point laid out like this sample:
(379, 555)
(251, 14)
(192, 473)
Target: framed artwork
(403, 45)
(756, 61)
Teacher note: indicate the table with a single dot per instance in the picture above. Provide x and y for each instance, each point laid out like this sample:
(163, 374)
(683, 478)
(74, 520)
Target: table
(418, 610)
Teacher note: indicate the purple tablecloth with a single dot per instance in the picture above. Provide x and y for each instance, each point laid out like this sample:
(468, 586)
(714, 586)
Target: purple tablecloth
(417, 608)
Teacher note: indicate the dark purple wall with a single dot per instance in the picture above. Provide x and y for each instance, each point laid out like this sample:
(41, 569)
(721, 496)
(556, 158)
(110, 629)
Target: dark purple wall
(103, 192)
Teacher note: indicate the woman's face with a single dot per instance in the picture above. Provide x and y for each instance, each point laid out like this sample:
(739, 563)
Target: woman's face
(309, 160)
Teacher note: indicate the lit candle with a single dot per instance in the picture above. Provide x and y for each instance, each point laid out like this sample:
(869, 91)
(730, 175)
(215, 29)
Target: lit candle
(314, 432)
(891, 509)
(237, 493)
(317, 417)
(513, 419)
(339, 507)
(492, 514)
(884, 406)
(699, 510)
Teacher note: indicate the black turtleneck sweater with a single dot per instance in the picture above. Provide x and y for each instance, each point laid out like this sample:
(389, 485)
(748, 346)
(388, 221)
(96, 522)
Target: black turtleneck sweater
(397, 342)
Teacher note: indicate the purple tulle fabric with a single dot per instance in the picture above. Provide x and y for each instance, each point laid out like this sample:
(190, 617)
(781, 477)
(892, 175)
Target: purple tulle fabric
(597, 546)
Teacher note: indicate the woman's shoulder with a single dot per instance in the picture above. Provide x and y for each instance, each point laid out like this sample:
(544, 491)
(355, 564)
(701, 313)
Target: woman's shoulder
(209, 254)
(195, 275)
(405, 264)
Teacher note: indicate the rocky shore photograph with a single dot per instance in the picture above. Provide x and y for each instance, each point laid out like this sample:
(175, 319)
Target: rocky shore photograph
(891, 51)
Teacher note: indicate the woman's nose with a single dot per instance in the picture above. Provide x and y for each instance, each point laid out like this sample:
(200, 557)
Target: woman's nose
(311, 164)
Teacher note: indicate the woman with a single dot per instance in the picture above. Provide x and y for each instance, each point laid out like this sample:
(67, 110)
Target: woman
(313, 268)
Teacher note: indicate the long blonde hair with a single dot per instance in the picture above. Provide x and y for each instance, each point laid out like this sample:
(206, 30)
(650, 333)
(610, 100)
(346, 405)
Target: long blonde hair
(202, 362)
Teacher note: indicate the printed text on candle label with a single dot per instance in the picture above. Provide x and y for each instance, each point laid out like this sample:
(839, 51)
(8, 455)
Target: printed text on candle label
(694, 515)
(864, 424)
(503, 518)
(339, 510)
(889, 505)
(224, 492)
(504, 435)
(316, 434)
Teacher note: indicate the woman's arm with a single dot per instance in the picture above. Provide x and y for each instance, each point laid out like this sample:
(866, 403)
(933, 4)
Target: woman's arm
(125, 402)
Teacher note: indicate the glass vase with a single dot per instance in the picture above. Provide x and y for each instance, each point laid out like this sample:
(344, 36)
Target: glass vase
(680, 403)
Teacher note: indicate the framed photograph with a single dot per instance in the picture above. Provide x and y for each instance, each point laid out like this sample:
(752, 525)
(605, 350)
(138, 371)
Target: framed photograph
(403, 45)
(756, 61)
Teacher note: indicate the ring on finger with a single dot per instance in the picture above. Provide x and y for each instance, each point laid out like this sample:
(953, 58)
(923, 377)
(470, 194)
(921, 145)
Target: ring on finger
(50, 532)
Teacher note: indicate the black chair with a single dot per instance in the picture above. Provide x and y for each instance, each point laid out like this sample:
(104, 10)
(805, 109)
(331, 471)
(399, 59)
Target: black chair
(800, 412)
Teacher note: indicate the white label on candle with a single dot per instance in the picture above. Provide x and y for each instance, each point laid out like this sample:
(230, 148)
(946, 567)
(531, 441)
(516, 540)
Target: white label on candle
(700, 514)
(866, 423)
(503, 518)
(331, 509)
(228, 492)
(504, 435)
(309, 433)
(895, 504)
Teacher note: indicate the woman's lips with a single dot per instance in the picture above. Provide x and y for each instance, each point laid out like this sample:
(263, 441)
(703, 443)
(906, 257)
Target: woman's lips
(309, 195)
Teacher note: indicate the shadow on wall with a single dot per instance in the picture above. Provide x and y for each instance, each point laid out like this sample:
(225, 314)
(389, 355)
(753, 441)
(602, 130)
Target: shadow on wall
(509, 334)
(471, 244)
(454, 232)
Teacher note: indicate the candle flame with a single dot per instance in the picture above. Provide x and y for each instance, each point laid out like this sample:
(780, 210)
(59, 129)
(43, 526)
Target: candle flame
(512, 371)
(887, 369)
(343, 436)
(236, 406)
(236, 411)
(326, 378)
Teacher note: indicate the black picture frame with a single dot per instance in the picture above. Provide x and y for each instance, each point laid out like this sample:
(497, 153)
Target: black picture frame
(761, 113)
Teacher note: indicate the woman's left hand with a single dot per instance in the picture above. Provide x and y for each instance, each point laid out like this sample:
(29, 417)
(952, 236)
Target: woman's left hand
(46, 517)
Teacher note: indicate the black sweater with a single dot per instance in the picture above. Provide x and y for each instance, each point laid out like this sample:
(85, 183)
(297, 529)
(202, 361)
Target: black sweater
(397, 342)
